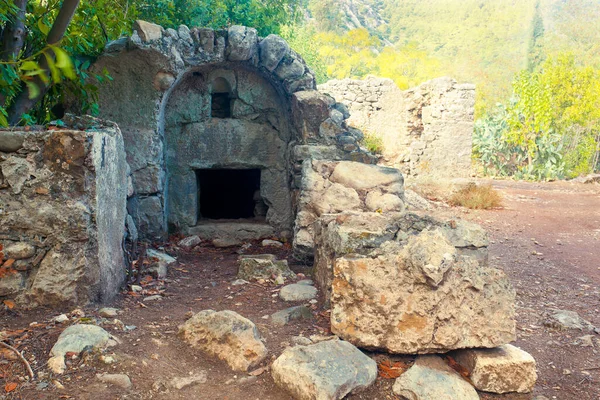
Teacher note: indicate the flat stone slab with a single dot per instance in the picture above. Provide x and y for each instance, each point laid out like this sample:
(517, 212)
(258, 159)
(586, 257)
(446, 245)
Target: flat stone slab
(238, 231)
(430, 378)
(324, 371)
(227, 336)
(298, 292)
(504, 369)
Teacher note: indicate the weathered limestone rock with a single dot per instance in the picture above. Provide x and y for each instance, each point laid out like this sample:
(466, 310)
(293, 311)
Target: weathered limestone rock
(363, 176)
(243, 43)
(298, 292)
(10, 141)
(503, 369)
(281, 318)
(309, 109)
(566, 319)
(148, 31)
(431, 378)
(63, 216)
(160, 263)
(324, 371)
(399, 284)
(262, 266)
(19, 251)
(189, 242)
(76, 338)
(272, 50)
(120, 380)
(227, 336)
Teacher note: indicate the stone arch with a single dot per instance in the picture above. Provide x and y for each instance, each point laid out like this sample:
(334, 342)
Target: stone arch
(170, 73)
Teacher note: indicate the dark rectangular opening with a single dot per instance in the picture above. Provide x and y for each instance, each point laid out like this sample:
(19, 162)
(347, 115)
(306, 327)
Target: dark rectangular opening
(221, 105)
(227, 193)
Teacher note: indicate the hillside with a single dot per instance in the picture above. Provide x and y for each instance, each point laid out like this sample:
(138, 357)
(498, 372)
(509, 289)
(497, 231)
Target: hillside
(485, 42)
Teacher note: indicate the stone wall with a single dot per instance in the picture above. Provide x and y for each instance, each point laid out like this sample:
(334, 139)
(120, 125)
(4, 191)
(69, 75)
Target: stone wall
(426, 130)
(330, 187)
(62, 214)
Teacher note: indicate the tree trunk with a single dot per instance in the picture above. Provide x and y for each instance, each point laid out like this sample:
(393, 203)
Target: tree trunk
(13, 38)
(23, 103)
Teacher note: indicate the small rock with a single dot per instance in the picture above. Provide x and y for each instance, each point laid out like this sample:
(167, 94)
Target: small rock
(59, 319)
(120, 380)
(323, 371)
(19, 251)
(136, 288)
(148, 31)
(153, 298)
(180, 383)
(565, 319)
(301, 340)
(227, 242)
(108, 312)
(281, 318)
(76, 338)
(585, 341)
(297, 292)
(227, 336)
(431, 378)
(159, 267)
(41, 386)
(280, 280)
(262, 266)
(271, 243)
(11, 141)
(189, 242)
(107, 359)
(239, 282)
(500, 370)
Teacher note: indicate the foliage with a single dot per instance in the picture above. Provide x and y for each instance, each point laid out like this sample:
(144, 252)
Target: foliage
(372, 142)
(477, 197)
(300, 38)
(551, 127)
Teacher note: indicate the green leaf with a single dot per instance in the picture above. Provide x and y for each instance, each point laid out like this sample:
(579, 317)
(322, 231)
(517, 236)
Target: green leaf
(63, 61)
(34, 90)
(45, 29)
(29, 66)
(54, 71)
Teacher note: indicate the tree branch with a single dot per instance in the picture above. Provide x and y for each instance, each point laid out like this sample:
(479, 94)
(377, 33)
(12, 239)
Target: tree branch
(23, 103)
(18, 353)
(13, 38)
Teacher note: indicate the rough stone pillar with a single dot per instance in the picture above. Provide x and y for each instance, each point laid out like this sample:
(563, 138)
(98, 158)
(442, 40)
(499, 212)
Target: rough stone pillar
(62, 214)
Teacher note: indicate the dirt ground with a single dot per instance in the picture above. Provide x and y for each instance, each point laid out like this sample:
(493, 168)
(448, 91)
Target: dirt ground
(546, 238)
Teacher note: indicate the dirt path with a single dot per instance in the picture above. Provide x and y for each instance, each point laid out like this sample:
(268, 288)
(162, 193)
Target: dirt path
(546, 238)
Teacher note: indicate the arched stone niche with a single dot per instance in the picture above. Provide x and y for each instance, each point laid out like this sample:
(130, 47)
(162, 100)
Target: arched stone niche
(253, 136)
(269, 120)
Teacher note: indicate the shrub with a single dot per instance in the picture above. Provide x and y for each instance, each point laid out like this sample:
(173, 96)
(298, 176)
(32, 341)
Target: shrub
(373, 142)
(476, 197)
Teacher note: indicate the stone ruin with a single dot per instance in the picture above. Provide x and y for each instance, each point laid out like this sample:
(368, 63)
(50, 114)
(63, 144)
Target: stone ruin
(223, 135)
(426, 130)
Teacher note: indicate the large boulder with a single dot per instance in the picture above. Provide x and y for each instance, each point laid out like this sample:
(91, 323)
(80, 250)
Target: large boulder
(227, 336)
(272, 50)
(504, 369)
(324, 371)
(431, 378)
(401, 285)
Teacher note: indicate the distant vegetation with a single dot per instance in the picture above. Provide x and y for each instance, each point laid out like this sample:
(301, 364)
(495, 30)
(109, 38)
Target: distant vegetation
(536, 64)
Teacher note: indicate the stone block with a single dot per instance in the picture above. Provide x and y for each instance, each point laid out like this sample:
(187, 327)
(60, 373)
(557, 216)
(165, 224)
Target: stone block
(75, 198)
(328, 370)
(504, 369)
